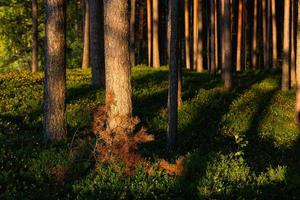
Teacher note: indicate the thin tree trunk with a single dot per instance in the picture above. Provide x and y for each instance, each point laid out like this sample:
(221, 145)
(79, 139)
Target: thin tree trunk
(132, 31)
(55, 72)
(239, 36)
(216, 34)
(297, 109)
(86, 36)
(34, 64)
(244, 44)
(286, 47)
(140, 56)
(195, 32)
(187, 35)
(149, 34)
(213, 69)
(227, 69)
(173, 78)
(97, 43)
(293, 56)
(255, 32)
(274, 35)
(156, 58)
(200, 67)
(265, 34)
(117, 62)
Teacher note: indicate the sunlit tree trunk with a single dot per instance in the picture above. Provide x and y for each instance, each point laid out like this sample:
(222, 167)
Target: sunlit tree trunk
(156, 58)
(274, 36)
(86, 35)
(117, 62)
(132, 31)
(212, 38)
(254, 39)
(34, 64)
(195, 32)
(293, 56)
(97, 43)
(187, 35)
(55, 126)
(200, 67)
(244, 43)
(239, 36)
(297, 114)
(173, 78)
(286, 47)
(149, 29)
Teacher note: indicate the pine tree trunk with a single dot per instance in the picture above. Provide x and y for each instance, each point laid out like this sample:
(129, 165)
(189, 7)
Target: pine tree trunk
(239, 36)
(140, 56)
(293, 56)
(255, 32)
(55, 71)
(34, 64)
(274, 36)
(156, 58)
(227, 69)
(216, 34)
(200, 65)
(265, 34)
(286, 47)
(86, 36)
(97, 43)
(195, 32)
(212, 38)
(187, 35)
(149, 34)
(117, 62)
(132, 31)
(173, 78)
(297, 114)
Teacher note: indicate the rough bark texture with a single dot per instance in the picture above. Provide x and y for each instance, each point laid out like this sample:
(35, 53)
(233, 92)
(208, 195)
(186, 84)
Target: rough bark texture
(297, 114)
(286, 47)
(173, 78)
(195, 32)
(293, 54)
(97, 43)
(213, 68)
(55, 71)
(254, 39)
(34, 64)
(274, 36)
(187, 34)
(117, 61)
(86, 36)
(149, 28)
(239, 36)
(156, 58)
(227, 69)
(132, 31)
(200, 66)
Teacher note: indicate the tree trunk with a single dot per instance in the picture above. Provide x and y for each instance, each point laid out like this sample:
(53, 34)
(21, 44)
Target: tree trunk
(149, 28)
(216, 34)
(173, 78)
(55, 71)
(274, 36)
(213, 69)
(132, 31)
(200, 66)
(34, 64)
(86, 36)
(187, 35)
(286, 47)
(117, 62)
(254, 39)
(265, 34)
(156, 59)
(239, 36)
(140, 56)
(227, 69)
(97, 43)
(244, 43)
(293, 56)
(195, 32)
(297, 114)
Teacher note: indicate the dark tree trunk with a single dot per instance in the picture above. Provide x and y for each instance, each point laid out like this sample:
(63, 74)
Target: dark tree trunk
(195, 32)
(297, 114)
(173, 77)
(213, 68)
(293, 53)
(149, 29)
(254, 35)
(265, 33)
(55, 71)
(286, 47)
(86, 35)
(97, 43)
(117, 62)
(34, 64)
(132, 31)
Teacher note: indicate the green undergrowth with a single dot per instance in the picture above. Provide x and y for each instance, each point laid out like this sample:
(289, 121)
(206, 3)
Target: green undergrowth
(237, 145)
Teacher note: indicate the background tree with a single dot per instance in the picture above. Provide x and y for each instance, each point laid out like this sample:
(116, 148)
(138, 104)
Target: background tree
(149, 31)
(55, 71)
(86, 35)
(187, 34)
(292, 47)
(274, 36)
(254, 52)
(155, 22)
(97, 43)
(132, 31)
(297, 114)
(213, 68)
(286, 47)
(240, 20)
(195, 32)
(265, 33)
(200, 66)
(34, 63)
(117, 61)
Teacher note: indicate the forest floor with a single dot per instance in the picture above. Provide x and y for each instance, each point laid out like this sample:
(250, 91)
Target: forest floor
(237, 145)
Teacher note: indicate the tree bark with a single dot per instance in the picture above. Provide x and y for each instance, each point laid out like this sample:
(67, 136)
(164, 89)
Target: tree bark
(187, 35)
(117, 62)
(173, 78)
(86, 36)
(239, 36)
(132, 31)
(265, 34)
(200, 66)
(216, 34)
(149, 34)
(293, 56)
(195, 32)
(213, 69)
(34, 64)
(156, 58)
(297, 109)
(255, 32)
(97, 43)
(55, 72)
(286, 47)
(274, 36)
